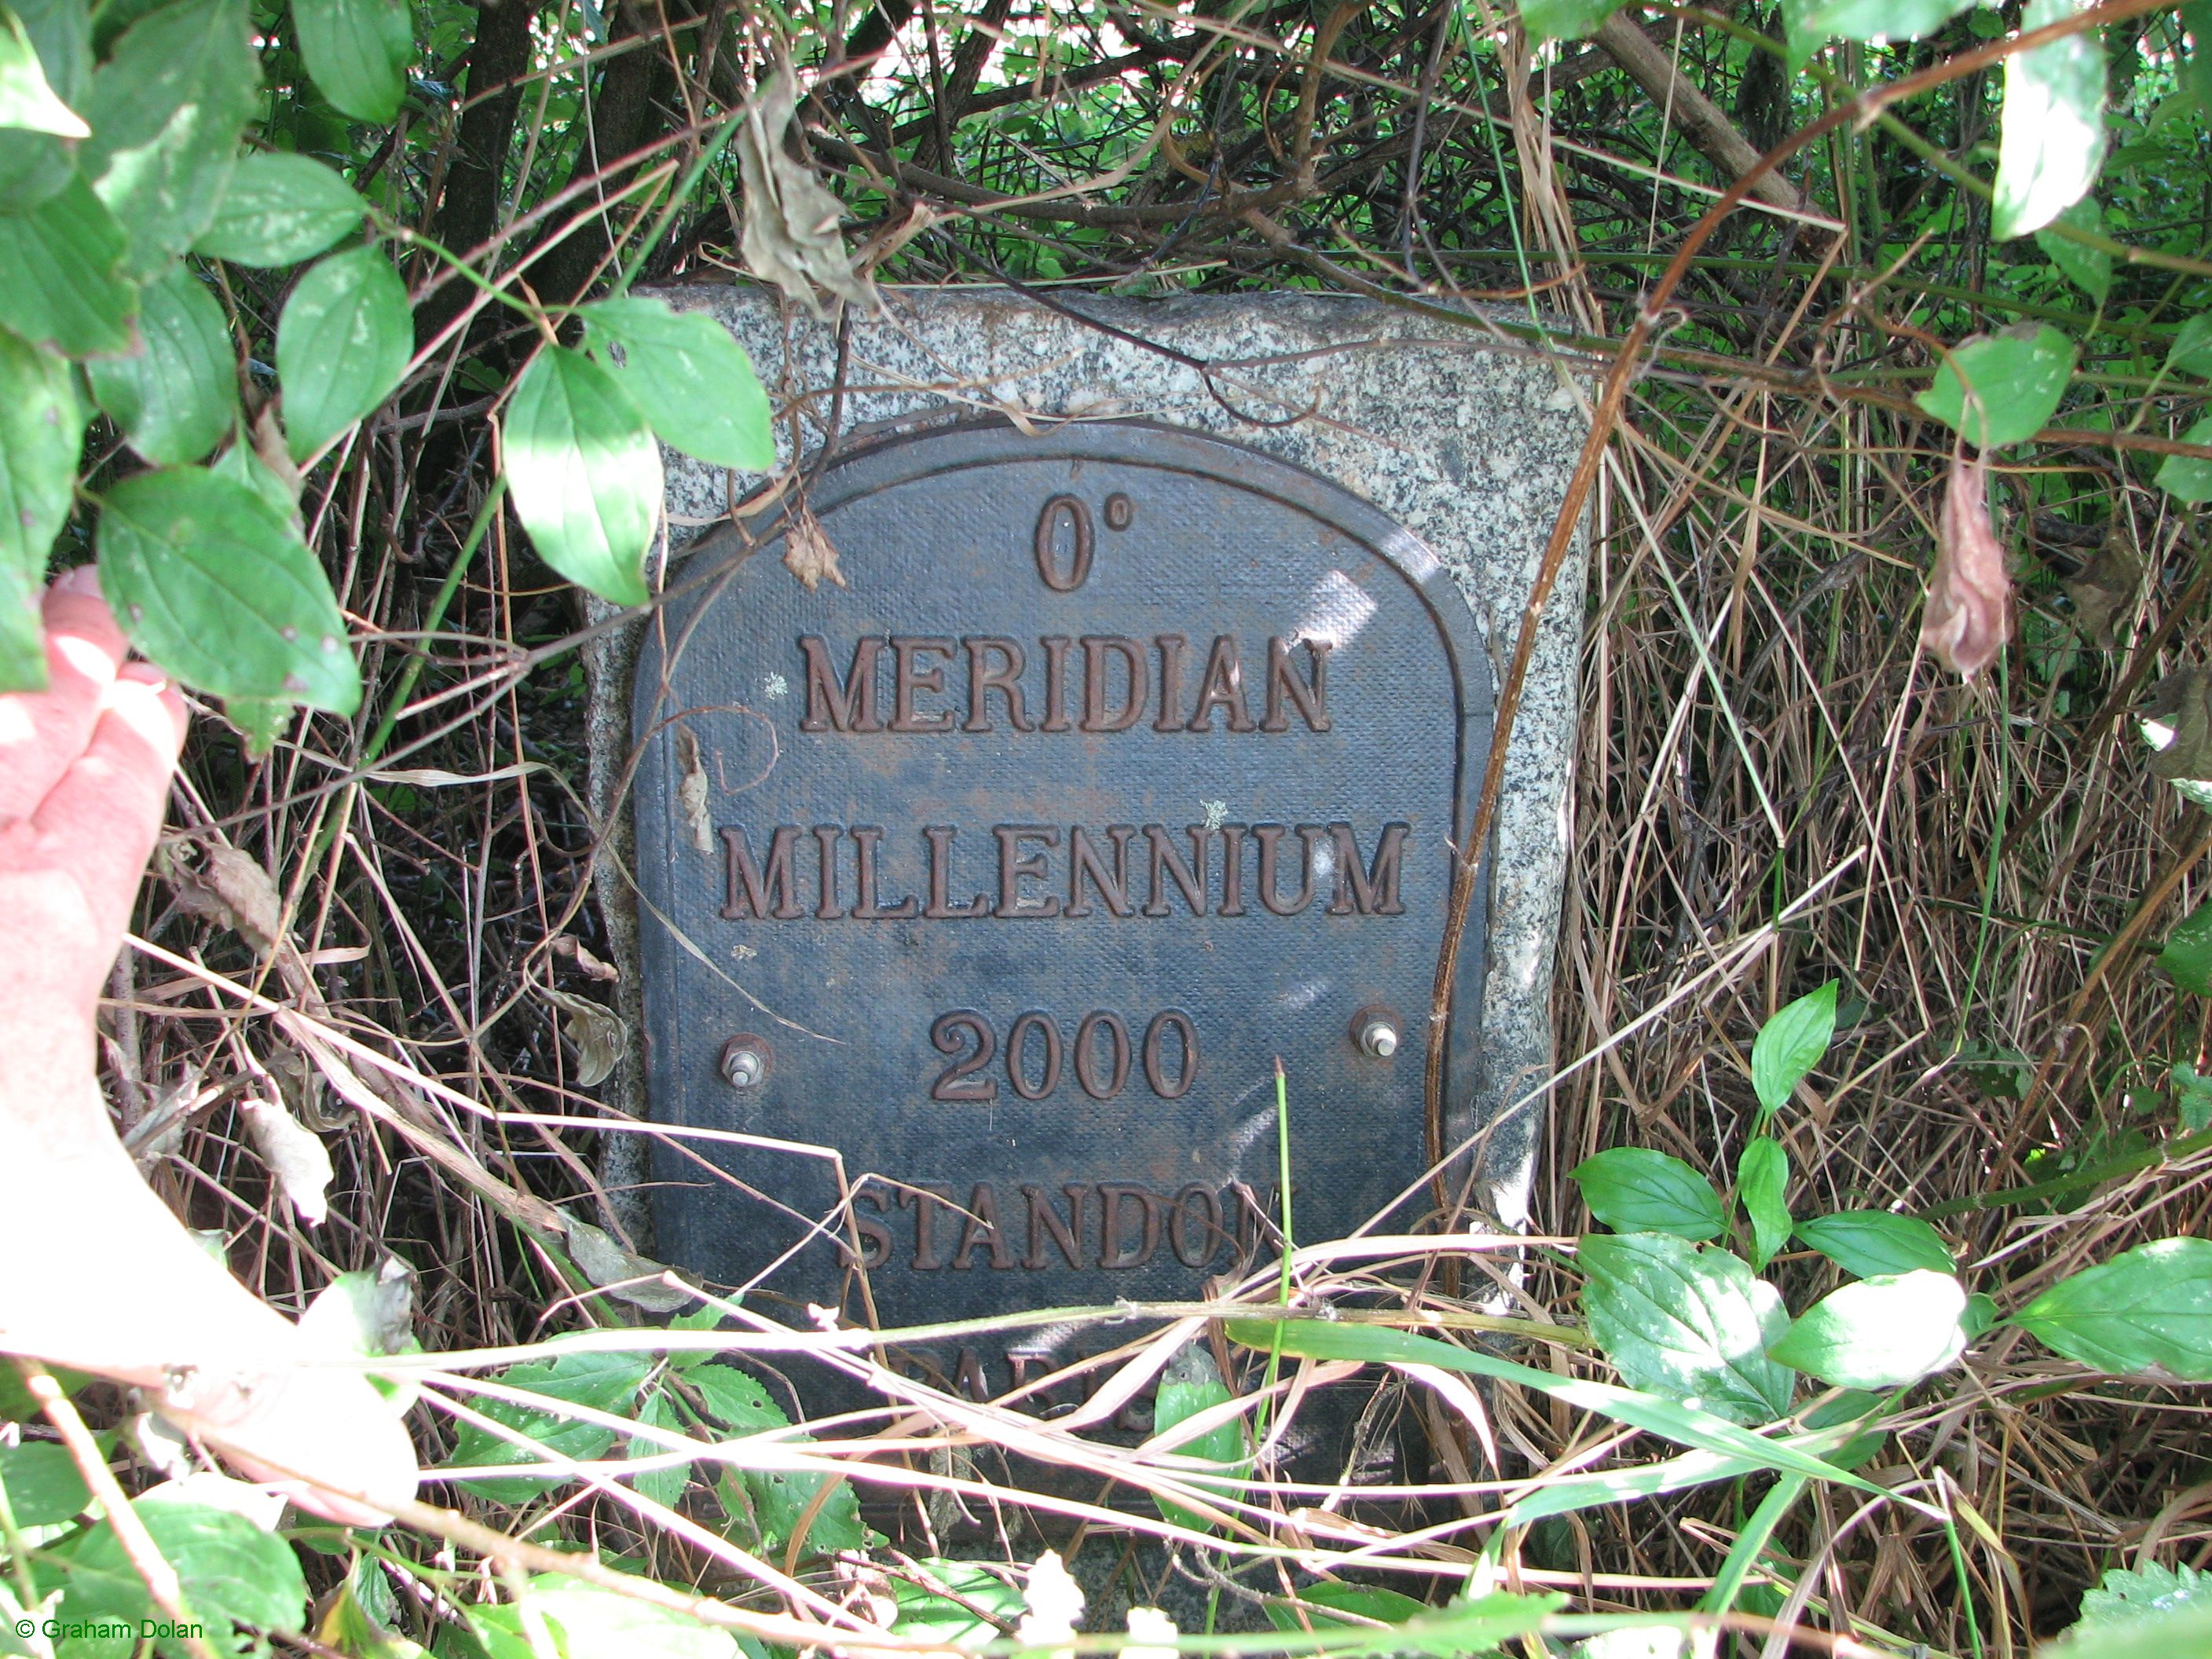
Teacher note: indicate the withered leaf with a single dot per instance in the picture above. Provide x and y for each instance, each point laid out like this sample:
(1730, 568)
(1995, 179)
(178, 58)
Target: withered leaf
(2178, 723)
(295, 1155)
(2106, 585)
(612, 1268)
(808, 551)
(568, 945)
(232, 889)
(1968, 617)
(598, 1032)
(790, 233)
(691, 789)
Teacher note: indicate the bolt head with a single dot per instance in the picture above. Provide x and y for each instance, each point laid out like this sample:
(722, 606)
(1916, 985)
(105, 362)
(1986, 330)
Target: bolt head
(1380, 1039)
(745, 1062)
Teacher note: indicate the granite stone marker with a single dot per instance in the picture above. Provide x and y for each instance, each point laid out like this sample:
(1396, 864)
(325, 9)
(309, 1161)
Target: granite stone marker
(1130, 758)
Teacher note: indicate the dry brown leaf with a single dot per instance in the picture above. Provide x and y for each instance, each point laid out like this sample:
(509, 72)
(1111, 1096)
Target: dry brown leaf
(1968, 617)
(808, 552)
(2177, 723)
(790, 235)
(232, 889)
(628, 1278)
(297, 1159)
(568, 945)
(598, 1032)
(2105, 586)
(691, 789)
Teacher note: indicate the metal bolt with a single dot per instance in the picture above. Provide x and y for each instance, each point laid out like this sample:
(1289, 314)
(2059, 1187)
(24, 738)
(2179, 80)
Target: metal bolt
(745, 1062)
(1378, 1032)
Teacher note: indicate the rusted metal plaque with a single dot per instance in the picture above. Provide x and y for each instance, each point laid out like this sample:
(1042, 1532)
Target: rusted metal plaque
(1128, 762)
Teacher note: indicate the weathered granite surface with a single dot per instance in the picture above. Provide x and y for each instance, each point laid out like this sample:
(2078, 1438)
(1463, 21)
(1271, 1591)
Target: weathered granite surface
(1467, 443)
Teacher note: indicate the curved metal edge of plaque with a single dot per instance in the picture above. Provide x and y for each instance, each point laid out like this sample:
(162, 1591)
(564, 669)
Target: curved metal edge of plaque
(884, 464)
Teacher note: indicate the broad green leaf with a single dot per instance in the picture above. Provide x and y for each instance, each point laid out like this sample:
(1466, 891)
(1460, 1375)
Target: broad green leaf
(358, 52)
(2192, 351)
(2015, 379)
(606, 1382)
(2192, 1096)
(2128, 1596)
(1192, 1383)
(1879, 1333)
(1790, 1045)
(61, 278)
(2187, 955)
(27, 101)
(35, 165)
(166, 110)
(229, 1569)
(1690, 1324)
(1813, 23)
(342, 342)
(689, 377)
(2188, 479)
(279, 210)
(735, 1401)
(176, 398)
(240, 464)
(2196, 18)
(2148, 1309)
(1687, 1425)
(775, 1498)
(1633, 1189)
(218, 590)
(586, 474)
(1364, 1602)
(662, 1485)
(1869, 1244)
(924, 1612)
(43, 1488)
(2180, 1635)
(1564, 20)
(1762, 1183)
(592, 1623)
(2089, 269)
(2053, 140)
(41, 431)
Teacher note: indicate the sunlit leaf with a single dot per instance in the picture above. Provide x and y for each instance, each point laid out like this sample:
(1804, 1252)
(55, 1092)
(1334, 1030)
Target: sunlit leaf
(279, 210)
(176, 399)
(343, 343)
(1633, 1190)
(689, 377)
(2148, 1310)
(1564, 20)
(1790, 1045)
(2187, 957)
(41, 427)
(1192, 1383)
(2188, 479)
(1813, 23)
(586, 474)
(34, 165)
(606, 1382)
(1762, 1183)
(2053, 139)
(214, 587)
(27, 101)
(1690, 1324)
(44, 1488)
(229, 1569)
(1868, 1243)
(923, 1612)
(1996, 389)
(1878, 1332)
(2089, 269)
(357, 51)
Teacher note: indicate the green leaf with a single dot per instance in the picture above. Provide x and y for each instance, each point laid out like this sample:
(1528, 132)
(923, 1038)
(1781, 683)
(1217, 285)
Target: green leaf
(342, 342)
(2192, 351)
(229, 1569)
(664, 1486)
(2148, 1309)
(43, 1488)
(1762, 1182)
(2196, 18)
(2188, 479)
(1633, 1190)
(176, 398)
(2016, 380)
(1869, 1244)
(1788, 1046)
(776, 1498)
(689, 377)
(1813, 23)
(1690, 1324)
(2181, 1635)
(592, 1623)
(41, 431)
(34, 165)
(1564, 20)
(358, 52)
(2123, 1596)
(1879, 1332)
(61, 280)
(2192, 1097)
(279, 210)
(2053, 141)
(586, 474)
(166, 110)
(218, 590)
(27, 101)
(923, 1612)
(2187, 955)
(2089, 269)
(1192, 1383)
(1688, 1425)
(601, 1382)
(1363, 1602)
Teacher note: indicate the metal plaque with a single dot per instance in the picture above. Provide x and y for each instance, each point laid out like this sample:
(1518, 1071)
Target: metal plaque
(1127, 763)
